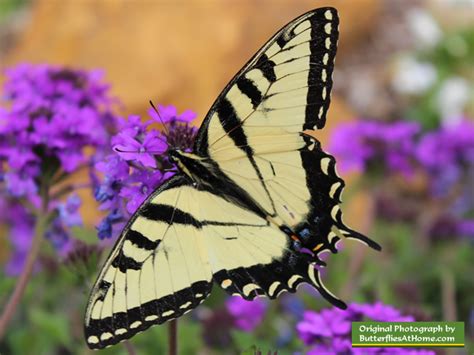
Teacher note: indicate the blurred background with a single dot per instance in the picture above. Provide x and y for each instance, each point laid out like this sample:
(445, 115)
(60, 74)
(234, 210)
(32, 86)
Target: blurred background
(399, 63)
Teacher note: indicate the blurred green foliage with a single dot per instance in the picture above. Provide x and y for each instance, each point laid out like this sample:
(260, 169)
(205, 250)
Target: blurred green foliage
(7, 7)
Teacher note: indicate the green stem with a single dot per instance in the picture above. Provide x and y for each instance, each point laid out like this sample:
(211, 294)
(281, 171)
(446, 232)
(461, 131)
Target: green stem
(173, 337)
(448, 293)
(43, 218)
(9, 310)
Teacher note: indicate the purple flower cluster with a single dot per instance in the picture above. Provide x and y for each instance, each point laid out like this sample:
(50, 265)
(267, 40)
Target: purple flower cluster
(139, 163)
(329, 331)
(444, 156)
(247, 315)
(447, 153)
(362, 144)
(53, 122)
(21, 225)
(53, 114)
(400, 146)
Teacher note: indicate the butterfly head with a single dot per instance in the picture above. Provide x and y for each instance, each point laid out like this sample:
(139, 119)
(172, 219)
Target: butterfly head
(189, 163)
(173, 155)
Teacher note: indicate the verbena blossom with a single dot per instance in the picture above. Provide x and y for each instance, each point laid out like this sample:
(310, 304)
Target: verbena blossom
(247, 315)
(329, 331)
(169, 114)
(21, 226)
(363, 144)
(54, 121)
(447, 155)
(139, 163)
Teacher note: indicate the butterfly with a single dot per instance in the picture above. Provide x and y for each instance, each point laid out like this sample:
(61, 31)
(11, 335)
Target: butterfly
(253, 206)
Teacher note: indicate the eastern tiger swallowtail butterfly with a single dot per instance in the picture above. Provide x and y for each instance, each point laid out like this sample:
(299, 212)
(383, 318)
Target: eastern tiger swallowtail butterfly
(252, 196)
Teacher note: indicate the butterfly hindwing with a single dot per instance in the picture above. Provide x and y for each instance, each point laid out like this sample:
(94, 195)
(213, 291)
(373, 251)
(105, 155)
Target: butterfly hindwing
(157, 271)
(177, 243)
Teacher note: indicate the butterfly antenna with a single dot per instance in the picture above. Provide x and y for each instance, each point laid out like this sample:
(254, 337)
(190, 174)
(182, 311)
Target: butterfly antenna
(159, 116)
(137, 151)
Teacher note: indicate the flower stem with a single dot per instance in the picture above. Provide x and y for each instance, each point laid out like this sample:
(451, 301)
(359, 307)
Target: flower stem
(9, 310)
(173, 337)
(448, 294)
(129, 347)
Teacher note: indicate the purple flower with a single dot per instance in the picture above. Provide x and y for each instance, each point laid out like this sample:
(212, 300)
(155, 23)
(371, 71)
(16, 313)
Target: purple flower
(360, 145)
(21, 227)
(451, 146)
(329, 331)
(168, 114)
(142, 151)
(58, 235)
(465, 228)
(312, 327)
(20, 184)
(69, 211)
(135, 194)
(446, 227)
(380, 312)
(106, 227)
(52, 115)
(138, 165)
(247, 314)
(133, 126)
(55, 121)
(447, 155)
(324, 324)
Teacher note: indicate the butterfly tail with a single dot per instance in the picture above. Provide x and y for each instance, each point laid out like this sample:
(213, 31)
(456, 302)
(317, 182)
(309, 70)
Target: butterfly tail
(354, 235)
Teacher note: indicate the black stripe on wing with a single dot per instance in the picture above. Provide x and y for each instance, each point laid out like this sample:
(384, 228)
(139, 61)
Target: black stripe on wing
(248, 88)
(141, 241)
(232, 125)
(267, 67)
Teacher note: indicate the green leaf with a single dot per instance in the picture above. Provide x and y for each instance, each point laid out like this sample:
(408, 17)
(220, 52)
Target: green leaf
(51, 325)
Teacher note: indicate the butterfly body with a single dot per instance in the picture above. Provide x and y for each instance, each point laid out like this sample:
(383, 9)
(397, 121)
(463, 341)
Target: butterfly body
(253, 206)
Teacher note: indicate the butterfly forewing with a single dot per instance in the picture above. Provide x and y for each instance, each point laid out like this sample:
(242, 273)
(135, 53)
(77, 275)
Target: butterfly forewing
(254, 132)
